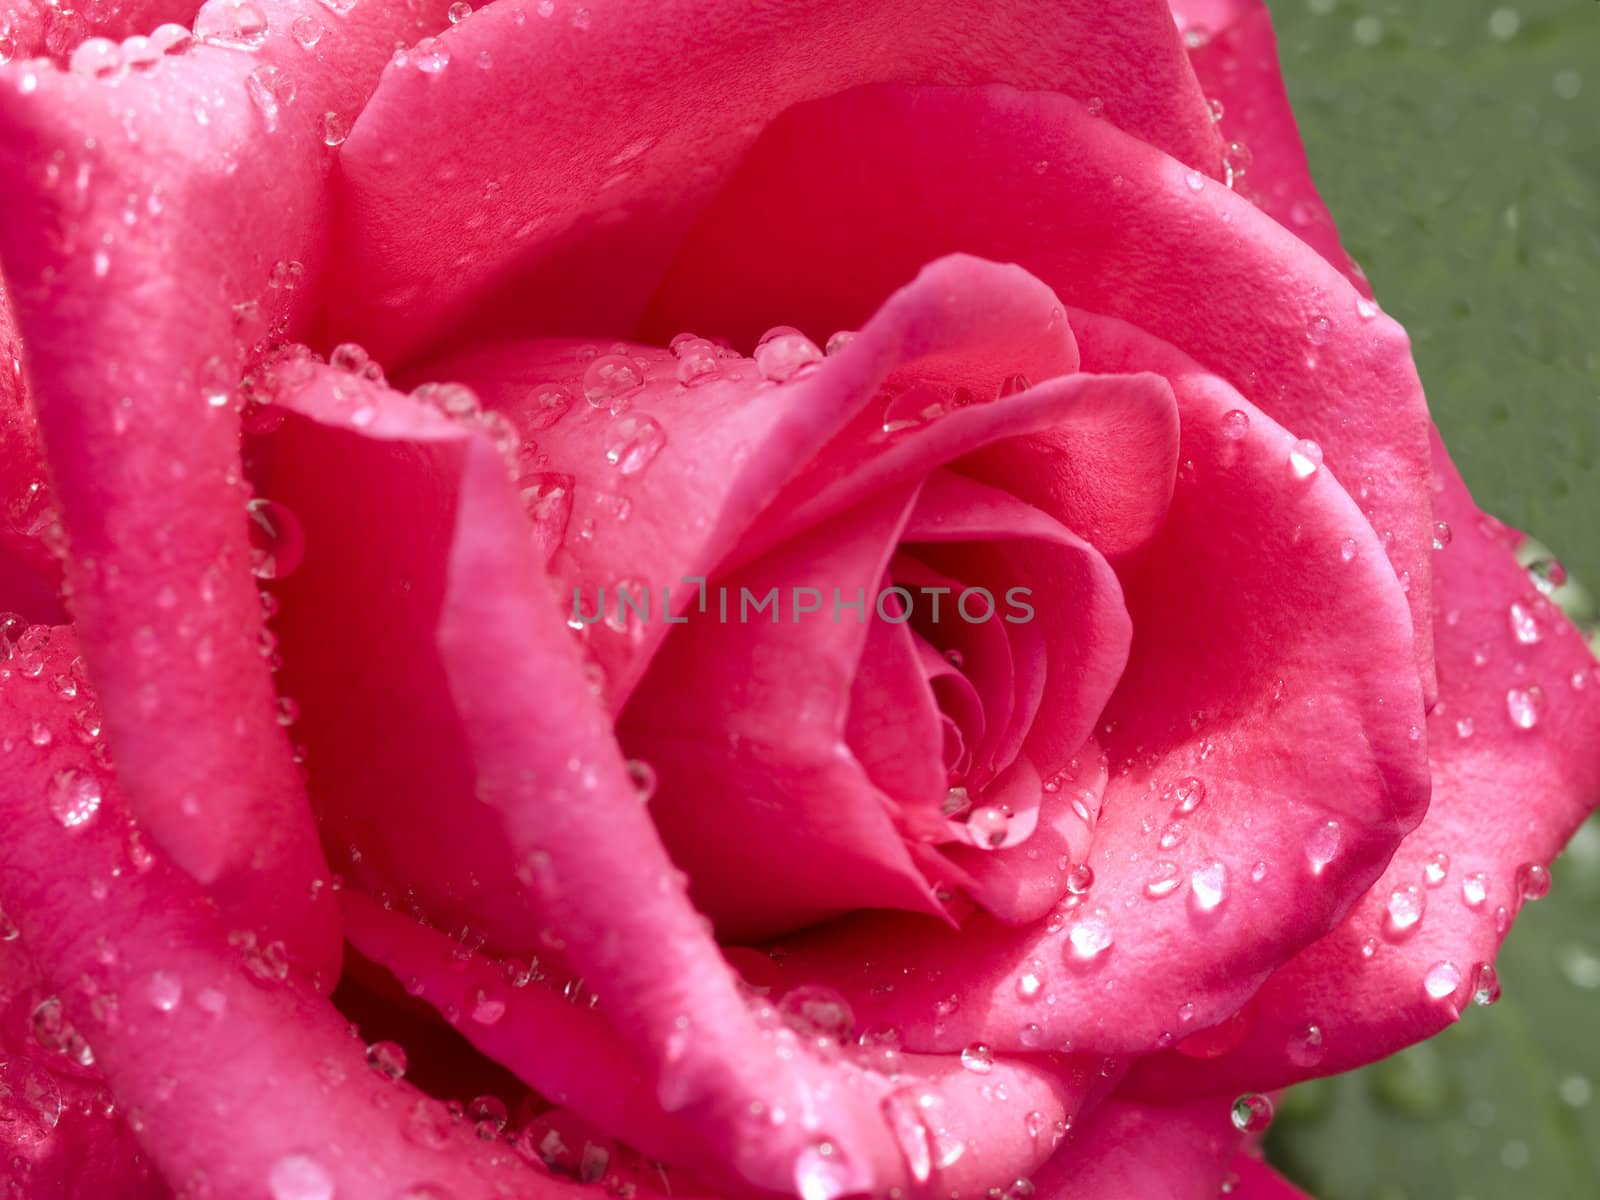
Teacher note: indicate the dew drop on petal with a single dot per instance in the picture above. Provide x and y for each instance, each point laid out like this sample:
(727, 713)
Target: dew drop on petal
(387, 1059)
(236, 23)
(1533, 881)
(1435, 868)
(299, 1177)
(1251, 1113)
(632, 441)
(164, 990)
(814, 1011)
(277, 541)
(335, 129)
(1442, 534)
(1485, 984)
(1525, 625)
(430, 56)
(978, 1058)
(783, 352)
(1185, 796)
(1441, 980)
(1080, 879)
(73, 798)
(1194, 180)
(1165, 876)
(1208, 884)
(30, 1104)
(1474, 889)
(611, 379)
(1524, 705)
(821, 1172)
(1089, 938)
(1405, 909)
(1235, 424)
(1305, 458)
(1322, 846)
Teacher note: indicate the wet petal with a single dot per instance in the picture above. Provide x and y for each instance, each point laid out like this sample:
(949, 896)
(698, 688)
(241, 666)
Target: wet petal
(1516, 718)
(567, 229)
(136, 226)
(1114, 226)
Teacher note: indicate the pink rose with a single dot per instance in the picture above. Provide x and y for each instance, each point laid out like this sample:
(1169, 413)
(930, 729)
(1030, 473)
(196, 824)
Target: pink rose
(363, 382)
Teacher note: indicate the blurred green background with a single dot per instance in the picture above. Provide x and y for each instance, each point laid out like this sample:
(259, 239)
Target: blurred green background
(1458, 145)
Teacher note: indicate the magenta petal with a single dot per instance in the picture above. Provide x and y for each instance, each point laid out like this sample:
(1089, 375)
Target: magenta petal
(759, 797)
(1127, 1149)
(895, 176)
(140, 432)
(30, 575)
(198, 1027)
(578, 197)
(1269, 678)
(1235, 56)
(1257, 1181)
(1421, 944)
(960, 320)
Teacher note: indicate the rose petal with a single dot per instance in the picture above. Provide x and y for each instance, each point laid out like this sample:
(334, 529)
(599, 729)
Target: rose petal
(1177, 1152)
(759, 797)
(1257, 1181)
(1267, 670)
(198, 1040)
(1381, 981)
(30, 575)
(136, 226)
(959, 321)
(568, 230)
(815, 225)
(1235, 56)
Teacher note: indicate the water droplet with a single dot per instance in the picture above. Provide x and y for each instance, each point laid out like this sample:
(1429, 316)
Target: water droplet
(430, 56)
(236, 23)
(1524, 705)
(1547, 575)
(1435, 868)
(30, 1103)
(1441, 980)
(1090, 937)
(632, 441)
(1031, 982)
(1405, 909)
(1185, 796)
(839, 341)
(164, 990)
(1464, 727)
(387, 1059)
(1209, 885)
(96, 57)
(488, 1007)
(299, 1177)
(821, 1172)
(1171, 836)
(1235, 424)
(1305, 458)
(1369, 947)
(978, 1058)
(306, 31)
(1475, 889)
(1322, 847)
(783, 352)
(459, 11)
(1442, 534)
(987, 827)
(335, 129)
(1164, 879)
(643, 777)
(610, 380)
(698, 362)
(1525, 625)
(1080, 879)
(270, 90)
(1251, 1113)
(1318, 329)
(1306, 1048)
(1533, 881)
(1485, 984)
(550, 403)
(277, 542)
(1194, 180)
(814, 1011)
(73, 798)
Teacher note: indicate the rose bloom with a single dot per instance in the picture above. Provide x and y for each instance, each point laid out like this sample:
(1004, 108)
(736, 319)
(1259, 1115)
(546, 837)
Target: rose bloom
(707, 598)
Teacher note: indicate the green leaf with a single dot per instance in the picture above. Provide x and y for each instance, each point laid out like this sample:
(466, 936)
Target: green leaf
(1458, 144)
(1504, 1103)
